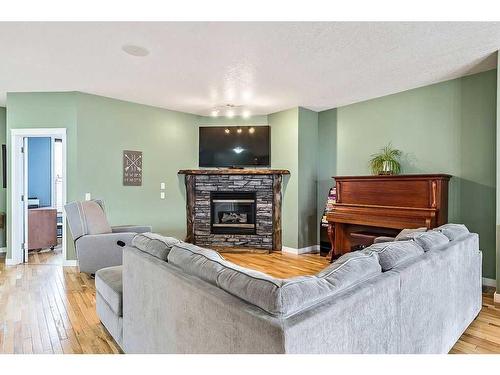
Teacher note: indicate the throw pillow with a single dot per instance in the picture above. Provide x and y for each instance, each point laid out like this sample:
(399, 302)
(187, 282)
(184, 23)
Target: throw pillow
(405, 232)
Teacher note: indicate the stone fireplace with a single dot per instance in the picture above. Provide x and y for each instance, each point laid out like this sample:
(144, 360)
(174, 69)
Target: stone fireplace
(234, 208)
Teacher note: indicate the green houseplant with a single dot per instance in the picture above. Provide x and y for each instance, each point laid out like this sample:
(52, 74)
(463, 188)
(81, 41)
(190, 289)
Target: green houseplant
(386, 161)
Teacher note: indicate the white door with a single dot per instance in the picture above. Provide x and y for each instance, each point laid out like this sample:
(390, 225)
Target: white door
(25, 199)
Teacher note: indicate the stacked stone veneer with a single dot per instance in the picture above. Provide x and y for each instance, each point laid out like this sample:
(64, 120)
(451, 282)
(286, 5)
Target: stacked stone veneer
(262, 185)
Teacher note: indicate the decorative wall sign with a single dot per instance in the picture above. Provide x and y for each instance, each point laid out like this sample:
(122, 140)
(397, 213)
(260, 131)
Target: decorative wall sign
(132, 168)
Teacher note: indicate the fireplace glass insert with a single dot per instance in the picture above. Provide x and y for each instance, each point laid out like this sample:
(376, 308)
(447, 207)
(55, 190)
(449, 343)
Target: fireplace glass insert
(232, 212)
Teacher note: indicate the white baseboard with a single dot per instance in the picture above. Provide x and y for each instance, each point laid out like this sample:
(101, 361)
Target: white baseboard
(489, 282)
(11, 262)
(496, 298)
(3, 250)
(66, 263)
(303, 250)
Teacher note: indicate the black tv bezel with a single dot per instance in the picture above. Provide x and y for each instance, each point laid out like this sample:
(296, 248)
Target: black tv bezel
(230, 165)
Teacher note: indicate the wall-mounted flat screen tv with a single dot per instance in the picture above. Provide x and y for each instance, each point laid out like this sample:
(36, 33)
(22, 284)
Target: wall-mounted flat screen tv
(232, 146)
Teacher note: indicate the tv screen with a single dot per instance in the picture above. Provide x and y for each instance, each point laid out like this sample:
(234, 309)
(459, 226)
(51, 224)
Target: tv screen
(243, 146)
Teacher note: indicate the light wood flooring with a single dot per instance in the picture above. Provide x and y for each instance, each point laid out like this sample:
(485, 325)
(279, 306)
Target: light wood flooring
(47, 308)
(46, 256)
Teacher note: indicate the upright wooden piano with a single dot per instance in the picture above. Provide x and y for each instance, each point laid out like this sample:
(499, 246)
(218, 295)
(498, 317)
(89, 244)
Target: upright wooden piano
(372, 206)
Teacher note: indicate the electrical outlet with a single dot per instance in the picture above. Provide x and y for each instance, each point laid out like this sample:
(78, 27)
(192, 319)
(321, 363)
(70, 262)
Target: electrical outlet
(162, 186)
(88, 196)
(162, 195)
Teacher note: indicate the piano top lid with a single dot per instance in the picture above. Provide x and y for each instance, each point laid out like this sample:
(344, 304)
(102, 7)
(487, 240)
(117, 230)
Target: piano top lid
(397, 176)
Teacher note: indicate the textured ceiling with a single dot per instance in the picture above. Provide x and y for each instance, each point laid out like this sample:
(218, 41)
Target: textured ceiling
(264, 67)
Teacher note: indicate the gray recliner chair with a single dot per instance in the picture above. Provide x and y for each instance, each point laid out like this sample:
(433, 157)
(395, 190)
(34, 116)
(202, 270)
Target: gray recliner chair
(98, 245)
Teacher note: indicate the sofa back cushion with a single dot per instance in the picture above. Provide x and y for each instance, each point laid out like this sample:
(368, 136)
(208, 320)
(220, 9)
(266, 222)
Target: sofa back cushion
(427, 240)
(392, 254)
(196, 261)
(280, 297)
(154, 244)
(453, 231)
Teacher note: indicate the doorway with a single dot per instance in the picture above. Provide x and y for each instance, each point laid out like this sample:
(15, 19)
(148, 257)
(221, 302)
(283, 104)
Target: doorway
(38, 195)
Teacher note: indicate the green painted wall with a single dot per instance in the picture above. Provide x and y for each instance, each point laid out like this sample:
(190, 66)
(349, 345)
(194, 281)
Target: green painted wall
(443, 128)
(294, 146)
(168, 140)
(308, 177)
(3, 192)
(498, 175)
(478, 165)
(284, 155)
(327, 156)
(99, 129)
(45, 110)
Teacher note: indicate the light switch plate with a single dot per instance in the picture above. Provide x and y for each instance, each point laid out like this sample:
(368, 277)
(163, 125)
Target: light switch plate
(162, 186)
(162, 195)
(88, 196)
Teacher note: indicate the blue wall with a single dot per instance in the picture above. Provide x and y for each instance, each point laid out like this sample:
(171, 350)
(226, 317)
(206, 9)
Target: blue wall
(39, 170)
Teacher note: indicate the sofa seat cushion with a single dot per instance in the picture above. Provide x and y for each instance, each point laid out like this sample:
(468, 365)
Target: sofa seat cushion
(108, 283)
(154, 244)
(427, 240)
(453, 231)
(280, 297)
(392, 254)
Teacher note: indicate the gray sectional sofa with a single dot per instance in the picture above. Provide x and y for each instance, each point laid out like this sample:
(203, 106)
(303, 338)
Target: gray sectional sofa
(417, 295)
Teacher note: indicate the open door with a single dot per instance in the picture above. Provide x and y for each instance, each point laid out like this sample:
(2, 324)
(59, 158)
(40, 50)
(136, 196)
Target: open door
(25, 199)
(19, 196)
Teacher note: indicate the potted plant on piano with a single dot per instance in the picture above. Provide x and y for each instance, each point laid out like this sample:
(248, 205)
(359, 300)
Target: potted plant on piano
(386, 162)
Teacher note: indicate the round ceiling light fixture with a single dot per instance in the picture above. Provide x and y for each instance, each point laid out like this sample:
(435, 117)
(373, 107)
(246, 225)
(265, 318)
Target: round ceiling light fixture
(135, 50)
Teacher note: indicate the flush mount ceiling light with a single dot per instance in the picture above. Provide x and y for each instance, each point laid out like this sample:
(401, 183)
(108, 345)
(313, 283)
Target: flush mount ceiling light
(134, 50)
(230, 111)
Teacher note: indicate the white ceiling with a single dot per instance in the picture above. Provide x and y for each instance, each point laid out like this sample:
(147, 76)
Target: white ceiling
(266, 67)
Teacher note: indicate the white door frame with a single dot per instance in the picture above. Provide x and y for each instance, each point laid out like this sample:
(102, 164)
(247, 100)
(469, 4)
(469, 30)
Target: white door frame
(16, 170)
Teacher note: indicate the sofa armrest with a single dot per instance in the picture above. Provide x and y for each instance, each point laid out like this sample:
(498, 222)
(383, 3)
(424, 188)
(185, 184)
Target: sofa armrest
(383, 239)
(131, 228)
(101, 250)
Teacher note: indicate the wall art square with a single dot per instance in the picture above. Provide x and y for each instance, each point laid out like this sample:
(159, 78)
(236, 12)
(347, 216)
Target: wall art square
(132, 168)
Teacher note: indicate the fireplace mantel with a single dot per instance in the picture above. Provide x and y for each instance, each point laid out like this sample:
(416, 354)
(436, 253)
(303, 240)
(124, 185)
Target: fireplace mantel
(265, 184)
(234, 171)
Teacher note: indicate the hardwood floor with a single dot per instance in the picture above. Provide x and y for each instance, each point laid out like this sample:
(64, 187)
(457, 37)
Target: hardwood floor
(46, 256)
(279, 264)
(47, 308)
